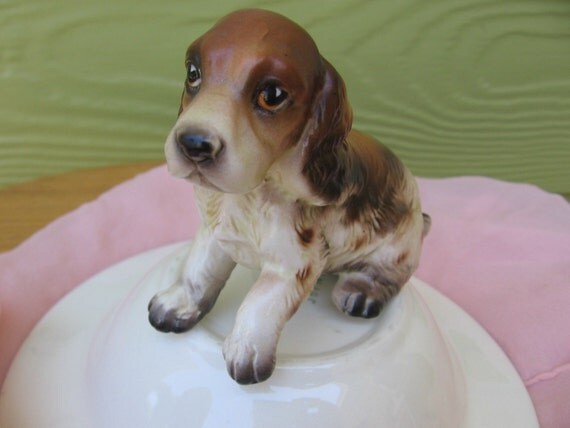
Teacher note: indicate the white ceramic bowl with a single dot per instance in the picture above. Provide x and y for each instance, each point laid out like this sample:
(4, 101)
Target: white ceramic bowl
(95, 361)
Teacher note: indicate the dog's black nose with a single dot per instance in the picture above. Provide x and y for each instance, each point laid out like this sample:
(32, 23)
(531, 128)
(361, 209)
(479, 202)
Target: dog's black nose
(196, 147)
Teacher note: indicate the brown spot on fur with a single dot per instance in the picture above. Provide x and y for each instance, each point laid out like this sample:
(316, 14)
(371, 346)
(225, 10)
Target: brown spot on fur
(302, 288)
(303, 274)
(402, 257)
(361, 241)
(305, 235)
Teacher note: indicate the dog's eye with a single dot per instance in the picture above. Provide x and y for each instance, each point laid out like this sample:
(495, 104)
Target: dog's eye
(194, 76)
(271, 98)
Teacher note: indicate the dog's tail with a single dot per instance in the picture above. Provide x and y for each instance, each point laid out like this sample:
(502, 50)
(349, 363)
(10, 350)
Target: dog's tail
(427, 224)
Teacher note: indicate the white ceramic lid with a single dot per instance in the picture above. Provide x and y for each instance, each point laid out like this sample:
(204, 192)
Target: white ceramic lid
(94, 360)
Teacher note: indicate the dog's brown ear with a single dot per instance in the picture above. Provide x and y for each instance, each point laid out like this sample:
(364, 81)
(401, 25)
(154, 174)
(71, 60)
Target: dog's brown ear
(325, 152)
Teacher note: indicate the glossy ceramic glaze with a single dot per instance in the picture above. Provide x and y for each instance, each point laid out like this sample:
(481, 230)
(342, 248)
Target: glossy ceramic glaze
(95, 361)
(454, 87)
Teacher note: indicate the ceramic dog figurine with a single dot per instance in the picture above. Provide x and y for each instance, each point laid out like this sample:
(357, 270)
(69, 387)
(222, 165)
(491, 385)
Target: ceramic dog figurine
(283, 186)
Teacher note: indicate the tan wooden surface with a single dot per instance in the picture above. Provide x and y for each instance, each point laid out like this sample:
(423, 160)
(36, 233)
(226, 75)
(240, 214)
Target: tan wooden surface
(27, 207)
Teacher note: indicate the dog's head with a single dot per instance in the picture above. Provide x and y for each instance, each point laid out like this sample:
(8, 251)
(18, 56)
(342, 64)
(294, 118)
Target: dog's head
(258, 95)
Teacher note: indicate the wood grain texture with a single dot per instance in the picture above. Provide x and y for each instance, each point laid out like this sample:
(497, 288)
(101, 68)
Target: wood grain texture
(455, 87)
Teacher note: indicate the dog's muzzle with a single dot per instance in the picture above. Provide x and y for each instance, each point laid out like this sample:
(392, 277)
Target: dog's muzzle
(196, 147)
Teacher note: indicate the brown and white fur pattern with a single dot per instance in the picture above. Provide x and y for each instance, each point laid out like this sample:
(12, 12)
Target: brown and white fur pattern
(283, 186)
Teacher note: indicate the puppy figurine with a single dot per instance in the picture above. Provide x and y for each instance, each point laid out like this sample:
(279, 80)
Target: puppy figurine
(283, 186)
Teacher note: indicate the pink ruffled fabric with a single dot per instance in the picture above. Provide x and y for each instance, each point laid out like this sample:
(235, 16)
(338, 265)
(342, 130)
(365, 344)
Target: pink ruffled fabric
(499, 250)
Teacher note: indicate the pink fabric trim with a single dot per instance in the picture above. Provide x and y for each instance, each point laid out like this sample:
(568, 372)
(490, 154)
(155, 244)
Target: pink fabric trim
(546, 376)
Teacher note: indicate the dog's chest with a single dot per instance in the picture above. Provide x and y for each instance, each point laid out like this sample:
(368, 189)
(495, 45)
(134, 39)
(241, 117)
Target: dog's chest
(261, 227)
(251, 228)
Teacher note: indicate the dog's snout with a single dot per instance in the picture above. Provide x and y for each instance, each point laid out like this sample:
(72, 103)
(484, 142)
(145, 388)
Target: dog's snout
(195, 146)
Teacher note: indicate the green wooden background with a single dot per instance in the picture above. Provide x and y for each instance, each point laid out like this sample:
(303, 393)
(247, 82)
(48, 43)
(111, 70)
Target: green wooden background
(455, 87)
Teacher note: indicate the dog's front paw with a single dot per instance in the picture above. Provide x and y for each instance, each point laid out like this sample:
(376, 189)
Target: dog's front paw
(249, 362)
(173, 310)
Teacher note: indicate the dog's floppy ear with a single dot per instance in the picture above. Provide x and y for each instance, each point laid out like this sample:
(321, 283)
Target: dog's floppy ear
(324, 161)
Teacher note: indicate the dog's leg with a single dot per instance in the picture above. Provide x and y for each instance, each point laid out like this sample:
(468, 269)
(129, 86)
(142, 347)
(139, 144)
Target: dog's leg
(250, 349)
(364, 294)
(181, 306)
